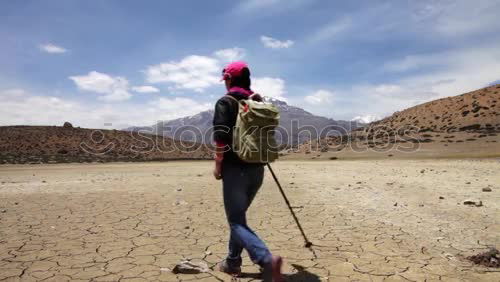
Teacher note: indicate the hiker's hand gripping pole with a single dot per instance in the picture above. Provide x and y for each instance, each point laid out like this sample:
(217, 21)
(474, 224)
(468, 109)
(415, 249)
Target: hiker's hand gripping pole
(308, 243)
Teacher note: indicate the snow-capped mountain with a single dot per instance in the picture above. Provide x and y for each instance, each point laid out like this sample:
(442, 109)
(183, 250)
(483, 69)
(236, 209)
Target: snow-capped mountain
(366, 118)
(296, 125)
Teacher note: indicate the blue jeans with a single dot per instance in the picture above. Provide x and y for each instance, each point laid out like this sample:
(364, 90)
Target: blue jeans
(240, 185)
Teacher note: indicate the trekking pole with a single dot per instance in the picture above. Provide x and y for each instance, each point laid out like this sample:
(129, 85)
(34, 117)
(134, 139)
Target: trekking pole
(308, 243)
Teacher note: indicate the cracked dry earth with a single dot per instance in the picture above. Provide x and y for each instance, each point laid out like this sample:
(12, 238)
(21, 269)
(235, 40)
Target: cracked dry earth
(369, 220)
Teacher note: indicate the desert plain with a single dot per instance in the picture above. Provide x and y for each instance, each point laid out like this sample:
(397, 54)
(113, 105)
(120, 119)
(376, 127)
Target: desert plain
(369, 220)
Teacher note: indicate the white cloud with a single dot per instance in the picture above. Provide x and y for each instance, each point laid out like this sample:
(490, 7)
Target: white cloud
(269, 6)
(426, 20)
(439, 59)
(52, 49)
(387, 89)
(410, 62)
(331, 30)
(192, 72)
(12, 93)
(456, 71)
(320, 97)
(230, 54)
(384, 99)
(451, 59)
(447, 17)
(180, 106)
(251, 5)
(269, 86)
(274, 43)
(358, 101)
(113, 88)
(22, 108)
(437, 75)
(145, 89)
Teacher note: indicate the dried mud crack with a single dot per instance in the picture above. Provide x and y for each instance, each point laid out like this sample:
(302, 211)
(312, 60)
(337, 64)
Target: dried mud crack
(117, 222)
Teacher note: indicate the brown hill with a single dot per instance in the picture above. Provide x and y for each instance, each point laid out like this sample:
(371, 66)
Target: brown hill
(474, 111)
(463, 125)
(54, 144)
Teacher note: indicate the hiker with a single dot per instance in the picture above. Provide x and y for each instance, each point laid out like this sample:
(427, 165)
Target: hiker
(240, 180)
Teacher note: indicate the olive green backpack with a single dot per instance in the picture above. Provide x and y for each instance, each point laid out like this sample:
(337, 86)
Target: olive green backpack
(253, 134)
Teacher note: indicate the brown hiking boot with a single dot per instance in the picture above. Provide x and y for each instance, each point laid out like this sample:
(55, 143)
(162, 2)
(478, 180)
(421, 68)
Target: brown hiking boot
(272, 271)
(225, 267)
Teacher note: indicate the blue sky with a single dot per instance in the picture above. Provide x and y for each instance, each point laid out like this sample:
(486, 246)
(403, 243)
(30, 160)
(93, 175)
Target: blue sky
(114, 63)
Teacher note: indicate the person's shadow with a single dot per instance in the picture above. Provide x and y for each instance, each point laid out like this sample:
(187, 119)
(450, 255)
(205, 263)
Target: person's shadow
(302, 275)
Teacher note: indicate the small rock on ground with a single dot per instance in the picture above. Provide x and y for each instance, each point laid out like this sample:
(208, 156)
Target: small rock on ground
(490, 258)
(476, 203)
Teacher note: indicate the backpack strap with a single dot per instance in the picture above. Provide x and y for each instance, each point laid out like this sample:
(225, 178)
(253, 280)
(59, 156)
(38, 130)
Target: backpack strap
(235, 102)
(232, 98)
(253, 97)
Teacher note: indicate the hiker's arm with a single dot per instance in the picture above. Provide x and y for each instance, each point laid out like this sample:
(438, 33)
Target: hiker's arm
(219, 156)
(221, 134)
(222, 122)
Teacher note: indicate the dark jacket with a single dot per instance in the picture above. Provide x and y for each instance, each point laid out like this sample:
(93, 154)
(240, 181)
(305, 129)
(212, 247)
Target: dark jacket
(226, 112)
